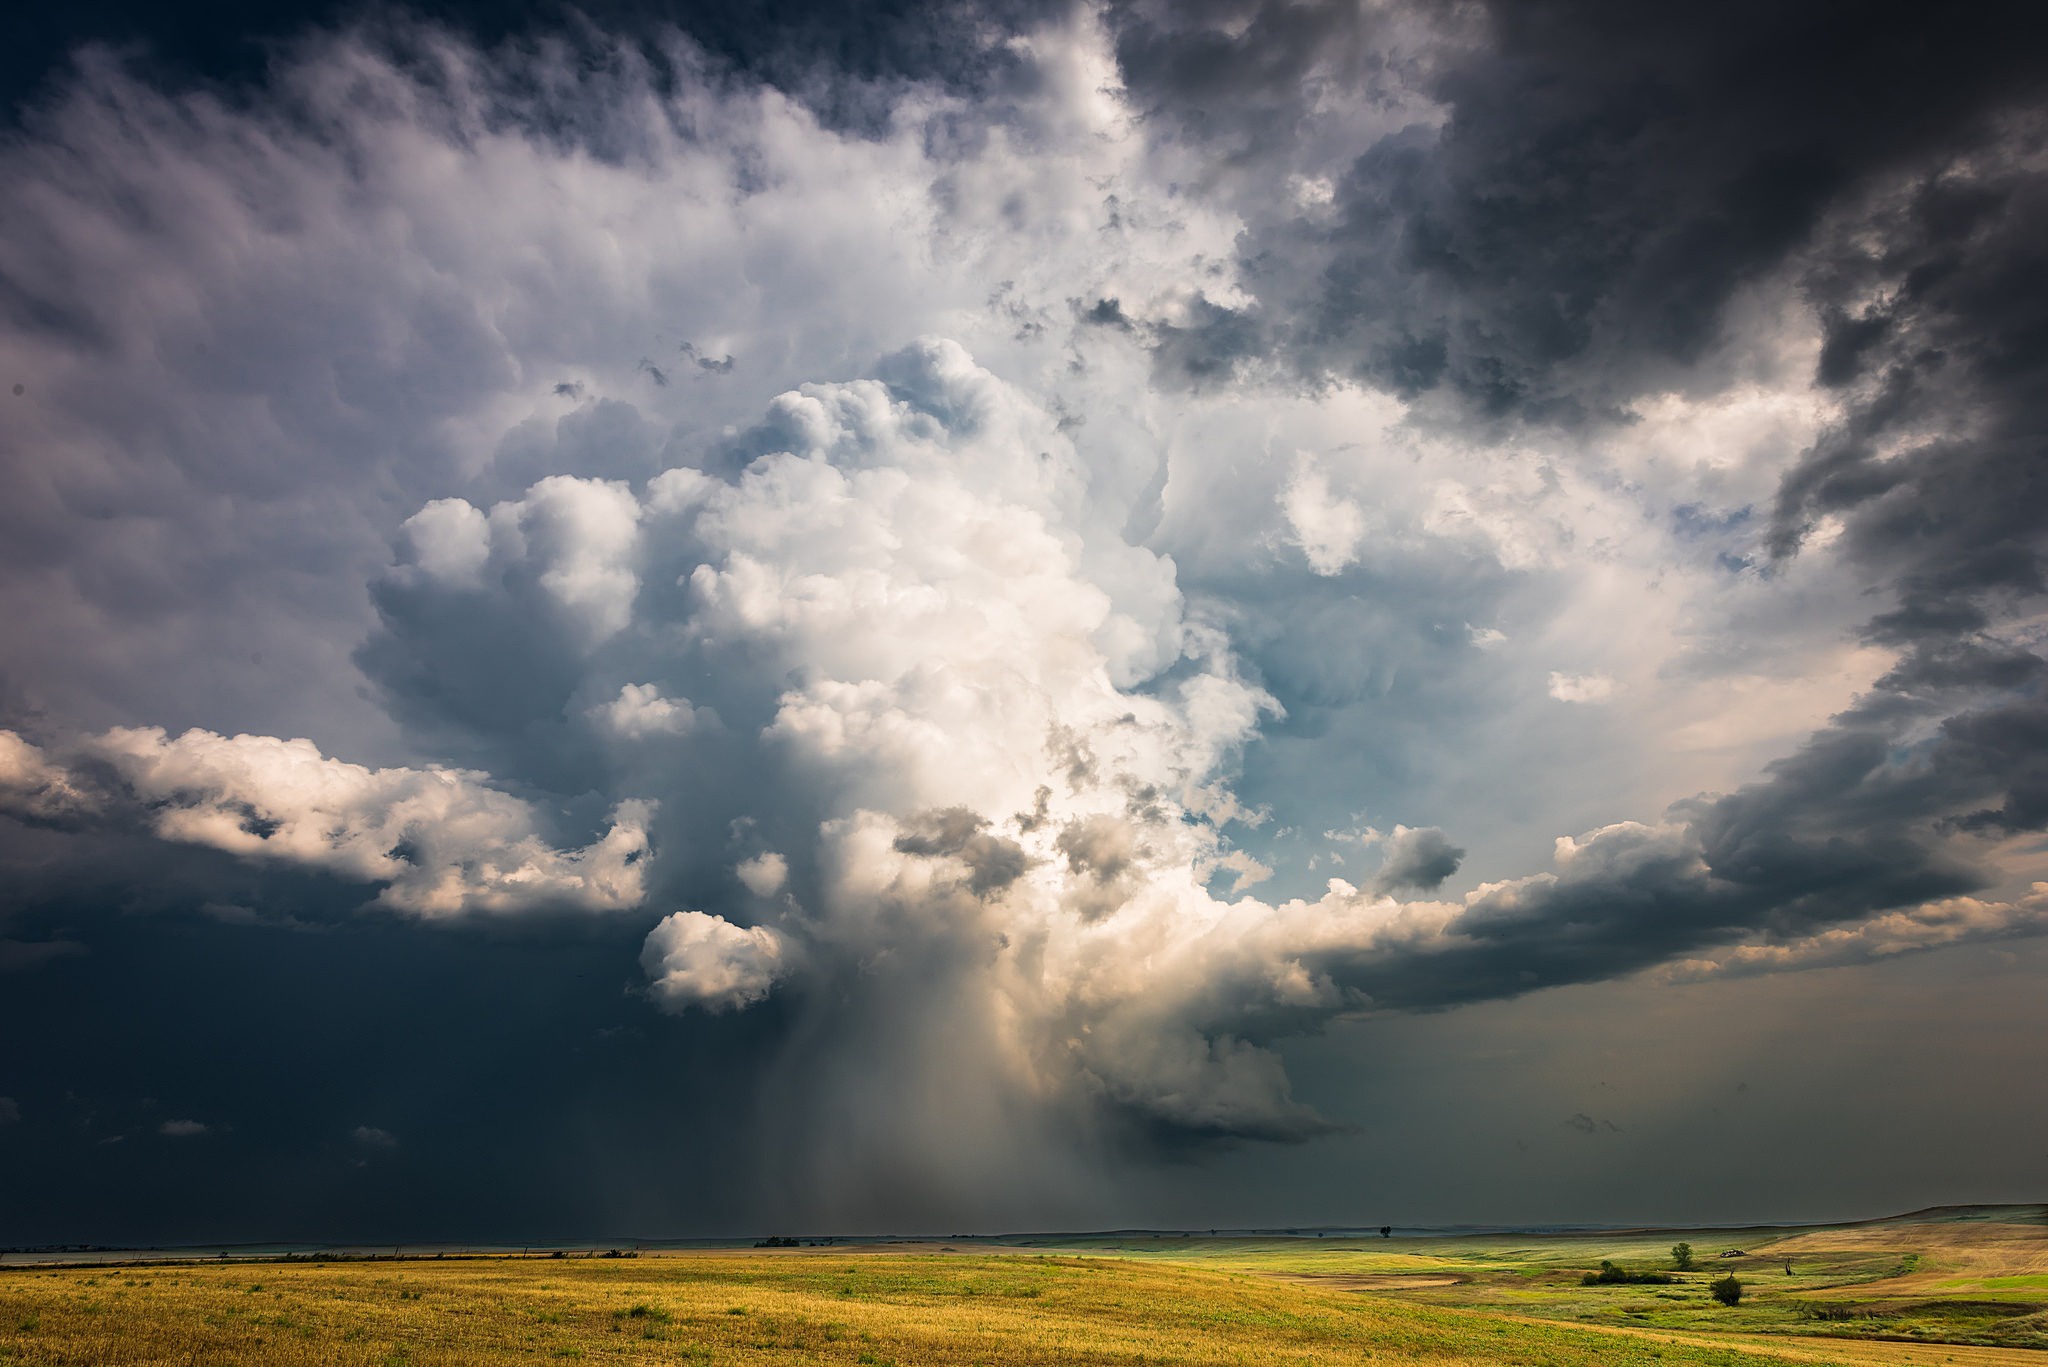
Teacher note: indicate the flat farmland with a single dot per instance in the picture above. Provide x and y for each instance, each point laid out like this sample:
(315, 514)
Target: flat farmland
(1957, 1287)
(1964, 1276)
(862, 1308)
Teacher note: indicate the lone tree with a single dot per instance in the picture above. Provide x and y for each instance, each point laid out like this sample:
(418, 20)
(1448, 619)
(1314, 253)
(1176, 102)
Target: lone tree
(1386, 1231)
(1727, 1290)
(1681, 1257)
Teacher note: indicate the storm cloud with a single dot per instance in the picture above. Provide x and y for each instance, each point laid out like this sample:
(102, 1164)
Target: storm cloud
(918, 544)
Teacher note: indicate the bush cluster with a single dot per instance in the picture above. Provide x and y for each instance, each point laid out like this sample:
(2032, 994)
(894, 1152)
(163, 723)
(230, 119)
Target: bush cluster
(1610, 1275)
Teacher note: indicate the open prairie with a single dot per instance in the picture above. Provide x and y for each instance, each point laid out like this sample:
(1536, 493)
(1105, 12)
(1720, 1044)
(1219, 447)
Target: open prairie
(1963, 1275)
(874, 1308)
(1945, 1287)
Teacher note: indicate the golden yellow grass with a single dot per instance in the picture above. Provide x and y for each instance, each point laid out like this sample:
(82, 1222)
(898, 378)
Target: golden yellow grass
(740, 1308)
(1967, 1277)
(1952, 1258)
(1366, 1281)
(1846, 1352)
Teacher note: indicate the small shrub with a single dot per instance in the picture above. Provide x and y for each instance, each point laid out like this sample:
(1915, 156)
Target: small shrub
(1610, 1275)
(1727, 1290)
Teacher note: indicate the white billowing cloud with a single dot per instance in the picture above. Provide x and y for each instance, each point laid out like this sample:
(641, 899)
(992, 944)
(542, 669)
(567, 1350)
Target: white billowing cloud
(401, 284)
(927, 574)
(441, 842)
(921, 585)
(979, 621)
(764, 874)
(1585, 688)
(582, 535)
(1326, 527)
(1246, 871)
(1016, 740)
(1017, 736)
(577, 538)
(1017, 836)
(640, 711)
(695, 959)
(32, 788)
(449, 541)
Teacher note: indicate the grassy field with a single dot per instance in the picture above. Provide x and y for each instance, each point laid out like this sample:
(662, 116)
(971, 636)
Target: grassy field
(1964, 1276)
(875, 1308)
(1875, 1288)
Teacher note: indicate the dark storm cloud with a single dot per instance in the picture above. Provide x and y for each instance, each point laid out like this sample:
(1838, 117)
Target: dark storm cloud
(824, 655)
(1421, 859)
(236, 1072)
(1606, 176)
(1859, 823)
(1939, 347)
(994, 862)
(1237, 76)
(1605, 181)
(22, 955)
(515, 1088)
(2008, 744)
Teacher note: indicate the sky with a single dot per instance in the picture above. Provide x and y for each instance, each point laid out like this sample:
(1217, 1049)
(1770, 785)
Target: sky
(660, 621)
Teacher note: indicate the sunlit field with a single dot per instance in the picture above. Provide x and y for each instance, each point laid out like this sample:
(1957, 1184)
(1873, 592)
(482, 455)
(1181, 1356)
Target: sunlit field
(1974, 1276)
(860, 1308)
(1954, 1289)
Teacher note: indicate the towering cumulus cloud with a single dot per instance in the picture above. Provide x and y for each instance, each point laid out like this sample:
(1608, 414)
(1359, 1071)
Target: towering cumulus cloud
(929, 555)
